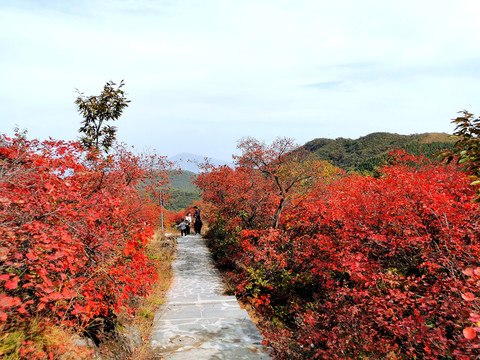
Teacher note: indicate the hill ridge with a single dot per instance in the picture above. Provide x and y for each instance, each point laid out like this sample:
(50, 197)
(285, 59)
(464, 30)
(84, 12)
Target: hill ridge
(189, 161)
(368, 151)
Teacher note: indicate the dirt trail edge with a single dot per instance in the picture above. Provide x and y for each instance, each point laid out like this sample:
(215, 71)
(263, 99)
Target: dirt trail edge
(197, 321)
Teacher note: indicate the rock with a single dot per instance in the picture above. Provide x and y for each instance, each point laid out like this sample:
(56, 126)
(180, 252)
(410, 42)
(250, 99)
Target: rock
(84, 342)
(130, 339)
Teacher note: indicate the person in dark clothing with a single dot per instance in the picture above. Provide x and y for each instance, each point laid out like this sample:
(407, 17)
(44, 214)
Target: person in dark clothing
(197, 226)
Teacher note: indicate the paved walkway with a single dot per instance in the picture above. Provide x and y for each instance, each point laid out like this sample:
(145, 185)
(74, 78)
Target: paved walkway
(198, 322)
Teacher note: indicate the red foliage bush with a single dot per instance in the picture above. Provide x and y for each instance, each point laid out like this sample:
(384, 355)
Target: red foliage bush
(175, 218)
(370, 267)
(73, 231)
(243, 197)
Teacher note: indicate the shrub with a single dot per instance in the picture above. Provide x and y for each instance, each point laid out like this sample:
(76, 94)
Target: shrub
(364, 267)
(73, 232)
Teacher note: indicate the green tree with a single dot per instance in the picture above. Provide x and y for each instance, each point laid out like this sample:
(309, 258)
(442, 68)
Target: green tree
(96, 111)
(466, 149)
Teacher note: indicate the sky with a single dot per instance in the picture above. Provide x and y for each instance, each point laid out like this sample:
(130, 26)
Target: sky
(202, 74)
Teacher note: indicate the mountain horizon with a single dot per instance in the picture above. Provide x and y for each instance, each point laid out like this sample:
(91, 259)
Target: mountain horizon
(190, 162)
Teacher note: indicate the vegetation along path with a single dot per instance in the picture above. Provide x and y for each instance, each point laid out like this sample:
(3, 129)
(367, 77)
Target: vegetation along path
(198, 321)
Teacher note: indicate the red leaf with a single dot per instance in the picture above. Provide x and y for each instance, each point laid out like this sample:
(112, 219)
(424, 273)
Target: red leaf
(468, 296)
(3, 253)
(8, 301)
(55, 296)
(12, 284)
(31, 256)
(474, 317)
(469, 333)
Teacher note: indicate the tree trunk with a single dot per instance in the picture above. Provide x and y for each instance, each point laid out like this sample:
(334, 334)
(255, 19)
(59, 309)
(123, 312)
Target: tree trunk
(276, 219)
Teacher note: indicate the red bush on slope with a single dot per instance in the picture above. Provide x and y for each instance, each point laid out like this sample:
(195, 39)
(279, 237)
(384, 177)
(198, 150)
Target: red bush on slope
(72, 232)
(370, 267)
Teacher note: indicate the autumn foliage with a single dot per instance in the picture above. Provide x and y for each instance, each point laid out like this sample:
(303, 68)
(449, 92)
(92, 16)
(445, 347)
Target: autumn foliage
(73, 231)
(379, 267)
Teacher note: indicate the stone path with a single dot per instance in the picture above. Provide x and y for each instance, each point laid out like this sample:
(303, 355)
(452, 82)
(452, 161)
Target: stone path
(198, 322)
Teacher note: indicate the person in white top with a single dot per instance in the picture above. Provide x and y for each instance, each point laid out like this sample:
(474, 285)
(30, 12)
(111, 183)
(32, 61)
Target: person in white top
(189, 221)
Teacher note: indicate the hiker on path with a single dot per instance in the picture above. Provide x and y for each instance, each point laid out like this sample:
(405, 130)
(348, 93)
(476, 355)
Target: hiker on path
(198, 221)
(183, 227)
(189, 221)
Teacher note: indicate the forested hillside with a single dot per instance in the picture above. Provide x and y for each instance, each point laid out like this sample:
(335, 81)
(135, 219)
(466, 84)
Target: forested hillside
(368, 152)
(182, 191)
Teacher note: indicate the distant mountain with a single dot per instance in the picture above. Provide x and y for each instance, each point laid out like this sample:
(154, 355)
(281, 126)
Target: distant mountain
(368, 152)
(190, 162)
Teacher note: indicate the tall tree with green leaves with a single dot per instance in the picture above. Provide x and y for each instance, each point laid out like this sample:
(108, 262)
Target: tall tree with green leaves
(97, 111)
(467, 146)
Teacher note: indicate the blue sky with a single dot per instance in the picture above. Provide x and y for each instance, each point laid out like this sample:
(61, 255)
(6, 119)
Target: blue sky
(202, 74)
